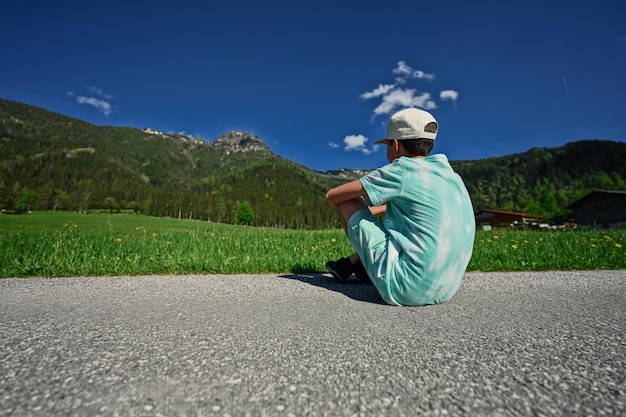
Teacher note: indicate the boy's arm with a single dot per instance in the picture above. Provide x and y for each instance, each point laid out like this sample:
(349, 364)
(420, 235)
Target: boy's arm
(351, 190)
(345, 192)
(376, 210)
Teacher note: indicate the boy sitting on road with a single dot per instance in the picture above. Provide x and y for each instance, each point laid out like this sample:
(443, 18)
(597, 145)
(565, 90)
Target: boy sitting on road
(419, 253)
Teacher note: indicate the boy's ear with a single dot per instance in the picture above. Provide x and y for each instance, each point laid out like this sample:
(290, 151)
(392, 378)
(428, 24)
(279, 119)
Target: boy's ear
(397, 145)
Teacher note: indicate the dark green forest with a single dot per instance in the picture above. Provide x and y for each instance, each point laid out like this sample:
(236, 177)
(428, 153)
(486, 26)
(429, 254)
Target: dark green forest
(52, 162)
(544, 181)
(49, 161)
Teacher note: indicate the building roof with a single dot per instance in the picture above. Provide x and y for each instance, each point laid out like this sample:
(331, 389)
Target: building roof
(511, 213)
(593, 194)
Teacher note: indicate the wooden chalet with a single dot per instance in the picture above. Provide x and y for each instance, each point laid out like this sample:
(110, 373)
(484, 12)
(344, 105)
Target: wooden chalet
(601, 209)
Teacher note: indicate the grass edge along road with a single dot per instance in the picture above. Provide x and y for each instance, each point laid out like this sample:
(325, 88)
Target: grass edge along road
(47, 244)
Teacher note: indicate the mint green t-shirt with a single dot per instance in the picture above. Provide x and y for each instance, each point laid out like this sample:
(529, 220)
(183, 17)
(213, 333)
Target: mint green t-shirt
(428, 230)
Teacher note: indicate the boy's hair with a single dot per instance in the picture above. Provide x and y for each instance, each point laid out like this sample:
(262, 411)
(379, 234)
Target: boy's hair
(418, 147)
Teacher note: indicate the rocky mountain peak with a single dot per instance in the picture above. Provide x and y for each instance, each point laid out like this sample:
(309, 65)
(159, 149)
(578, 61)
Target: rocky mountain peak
(240, 141)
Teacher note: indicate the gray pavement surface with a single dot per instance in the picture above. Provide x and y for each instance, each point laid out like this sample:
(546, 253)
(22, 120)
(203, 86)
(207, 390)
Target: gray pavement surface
(508, 344)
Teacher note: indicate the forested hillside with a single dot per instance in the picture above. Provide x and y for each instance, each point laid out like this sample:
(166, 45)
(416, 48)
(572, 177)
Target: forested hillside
(52, 162)
(544, 181)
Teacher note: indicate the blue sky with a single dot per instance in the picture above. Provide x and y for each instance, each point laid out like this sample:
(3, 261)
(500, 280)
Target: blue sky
(317, 81)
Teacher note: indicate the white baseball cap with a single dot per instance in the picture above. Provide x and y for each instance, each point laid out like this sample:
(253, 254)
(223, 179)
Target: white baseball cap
(411, 123)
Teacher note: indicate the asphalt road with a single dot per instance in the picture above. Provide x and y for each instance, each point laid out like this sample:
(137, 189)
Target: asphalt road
(508, 344)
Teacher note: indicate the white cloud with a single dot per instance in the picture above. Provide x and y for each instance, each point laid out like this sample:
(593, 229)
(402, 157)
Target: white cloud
(404, 97)
(449, 95)
(399, 95)
(354, 142)
(101, 102)
(98, 91)
(104, 107)
(358, 143)
(333, 145)
(405, 71)
(381, 90)
(402, 69)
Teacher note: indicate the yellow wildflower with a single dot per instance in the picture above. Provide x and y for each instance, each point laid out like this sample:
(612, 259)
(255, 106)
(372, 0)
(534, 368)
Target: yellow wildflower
(617, 245)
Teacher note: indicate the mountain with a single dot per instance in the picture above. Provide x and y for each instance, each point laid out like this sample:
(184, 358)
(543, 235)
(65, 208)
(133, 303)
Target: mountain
(74, 165)
(51, 161)
(543, 181)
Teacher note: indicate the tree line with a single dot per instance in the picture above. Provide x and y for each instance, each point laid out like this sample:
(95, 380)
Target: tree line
(52, 162)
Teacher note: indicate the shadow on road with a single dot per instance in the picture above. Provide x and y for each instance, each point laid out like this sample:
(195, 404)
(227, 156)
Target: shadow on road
(353, 288)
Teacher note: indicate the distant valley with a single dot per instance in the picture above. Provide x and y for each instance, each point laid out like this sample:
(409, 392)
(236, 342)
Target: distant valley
(49, 161)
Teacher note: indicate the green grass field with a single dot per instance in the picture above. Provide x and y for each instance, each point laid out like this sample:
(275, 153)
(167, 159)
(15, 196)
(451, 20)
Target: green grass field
(46, 244)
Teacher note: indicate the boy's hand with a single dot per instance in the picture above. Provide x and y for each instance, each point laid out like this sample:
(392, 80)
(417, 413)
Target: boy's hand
(376, 210)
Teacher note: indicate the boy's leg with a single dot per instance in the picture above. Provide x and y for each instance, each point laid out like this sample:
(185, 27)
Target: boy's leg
(370, 239)
(344, 267)
(348, 208)
(354, 259)
(359, 269)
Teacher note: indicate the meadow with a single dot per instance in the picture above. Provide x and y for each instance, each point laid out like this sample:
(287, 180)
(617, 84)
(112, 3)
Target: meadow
(59, 244)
